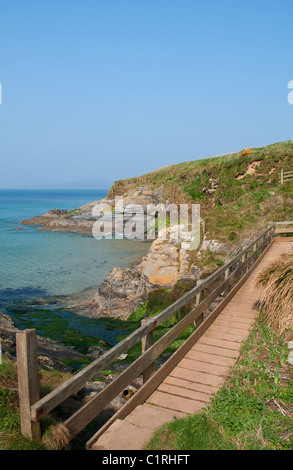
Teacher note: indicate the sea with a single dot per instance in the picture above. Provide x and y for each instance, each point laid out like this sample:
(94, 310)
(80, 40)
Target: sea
(38, 265)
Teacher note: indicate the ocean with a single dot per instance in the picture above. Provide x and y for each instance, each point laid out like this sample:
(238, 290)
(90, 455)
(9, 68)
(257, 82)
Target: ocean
(40, 264)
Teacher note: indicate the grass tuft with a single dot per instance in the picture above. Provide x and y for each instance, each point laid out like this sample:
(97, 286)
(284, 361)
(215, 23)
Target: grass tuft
(276, 293)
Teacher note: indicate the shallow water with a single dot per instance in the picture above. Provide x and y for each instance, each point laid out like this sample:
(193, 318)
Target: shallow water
(39, 264)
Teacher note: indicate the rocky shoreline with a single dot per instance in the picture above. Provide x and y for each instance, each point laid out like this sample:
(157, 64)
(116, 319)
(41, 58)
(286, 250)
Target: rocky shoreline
(50, 353)
(167, 261)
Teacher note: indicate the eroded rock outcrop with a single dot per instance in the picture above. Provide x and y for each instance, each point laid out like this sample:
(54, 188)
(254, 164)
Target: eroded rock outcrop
(118, 295)
(167, 262)
(50, 353)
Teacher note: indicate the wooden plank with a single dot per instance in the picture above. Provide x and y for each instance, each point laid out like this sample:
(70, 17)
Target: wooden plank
(220, 342)
(242, 304)
(214, 350)
(195, 365)
(224, 332)
(28, 381)
(288, 222)
(225, 336)
(196, 376)
(243, 316)
(226, 323)
(171, 402)
(238, 332)
(184, 392)
(210, 358)
(284, 230)
(229, 314)
(188, 384)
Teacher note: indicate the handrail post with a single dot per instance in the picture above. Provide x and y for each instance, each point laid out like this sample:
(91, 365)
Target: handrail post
(28, 381)
(146, 342)
(226, 275)
(198, 300)
(243, 259)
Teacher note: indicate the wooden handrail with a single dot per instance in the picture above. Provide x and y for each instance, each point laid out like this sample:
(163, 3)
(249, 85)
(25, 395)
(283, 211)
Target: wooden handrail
(286, 176)
(226, 274)
(280, 227)
(94, 406)
(288, 222)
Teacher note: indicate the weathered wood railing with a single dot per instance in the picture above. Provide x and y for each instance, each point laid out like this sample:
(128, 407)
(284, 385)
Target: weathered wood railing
(286, 176)
(221, 284)
(284, 227)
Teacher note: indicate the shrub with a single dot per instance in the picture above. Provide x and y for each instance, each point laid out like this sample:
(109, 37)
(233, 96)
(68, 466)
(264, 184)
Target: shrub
(276, 293)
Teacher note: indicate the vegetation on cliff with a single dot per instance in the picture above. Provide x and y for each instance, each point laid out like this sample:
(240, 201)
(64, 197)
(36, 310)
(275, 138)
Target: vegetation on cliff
(238, 192)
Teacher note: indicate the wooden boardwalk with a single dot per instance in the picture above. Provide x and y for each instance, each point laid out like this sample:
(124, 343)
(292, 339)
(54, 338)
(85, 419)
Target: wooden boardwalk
(204, 369)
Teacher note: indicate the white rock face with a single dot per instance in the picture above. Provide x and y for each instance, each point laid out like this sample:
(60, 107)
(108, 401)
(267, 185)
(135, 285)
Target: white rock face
(213, 245)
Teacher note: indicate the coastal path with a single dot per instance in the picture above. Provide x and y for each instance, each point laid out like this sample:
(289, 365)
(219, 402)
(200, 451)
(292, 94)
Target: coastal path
(222, 310)
(190, 386)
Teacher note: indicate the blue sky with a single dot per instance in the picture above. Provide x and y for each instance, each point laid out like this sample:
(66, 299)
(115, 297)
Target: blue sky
(109, 89)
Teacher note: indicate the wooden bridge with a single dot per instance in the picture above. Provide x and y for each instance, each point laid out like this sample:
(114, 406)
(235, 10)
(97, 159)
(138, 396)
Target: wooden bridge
(222, 309)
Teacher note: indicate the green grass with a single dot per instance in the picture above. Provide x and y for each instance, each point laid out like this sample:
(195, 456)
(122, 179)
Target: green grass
(238, 206)
(10, 433)
(252, 411)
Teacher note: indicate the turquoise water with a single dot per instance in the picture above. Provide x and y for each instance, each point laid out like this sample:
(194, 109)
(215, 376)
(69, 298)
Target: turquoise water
(39, 264)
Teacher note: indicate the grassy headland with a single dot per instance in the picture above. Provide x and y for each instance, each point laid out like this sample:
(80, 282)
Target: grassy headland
(238, 193)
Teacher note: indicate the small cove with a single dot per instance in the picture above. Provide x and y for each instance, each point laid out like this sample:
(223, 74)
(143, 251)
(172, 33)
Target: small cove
(37, 266)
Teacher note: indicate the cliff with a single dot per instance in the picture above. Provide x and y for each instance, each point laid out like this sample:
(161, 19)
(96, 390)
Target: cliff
(239, 195)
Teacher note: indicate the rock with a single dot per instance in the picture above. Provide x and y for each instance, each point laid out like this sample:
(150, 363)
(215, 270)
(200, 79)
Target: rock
(81, 219)
(290, 357)
(196, 271)
(122, 357)
(118, 295)
(168, 259)
(213, 245)
(50, 353)
(214, 184)
(95, 351)
(162, 265)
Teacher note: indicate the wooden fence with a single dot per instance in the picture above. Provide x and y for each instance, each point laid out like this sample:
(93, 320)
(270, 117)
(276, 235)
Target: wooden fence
(220, 287)
(286, 176)
(283, 227)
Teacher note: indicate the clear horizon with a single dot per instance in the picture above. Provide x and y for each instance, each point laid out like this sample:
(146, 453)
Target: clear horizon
(107, 90)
